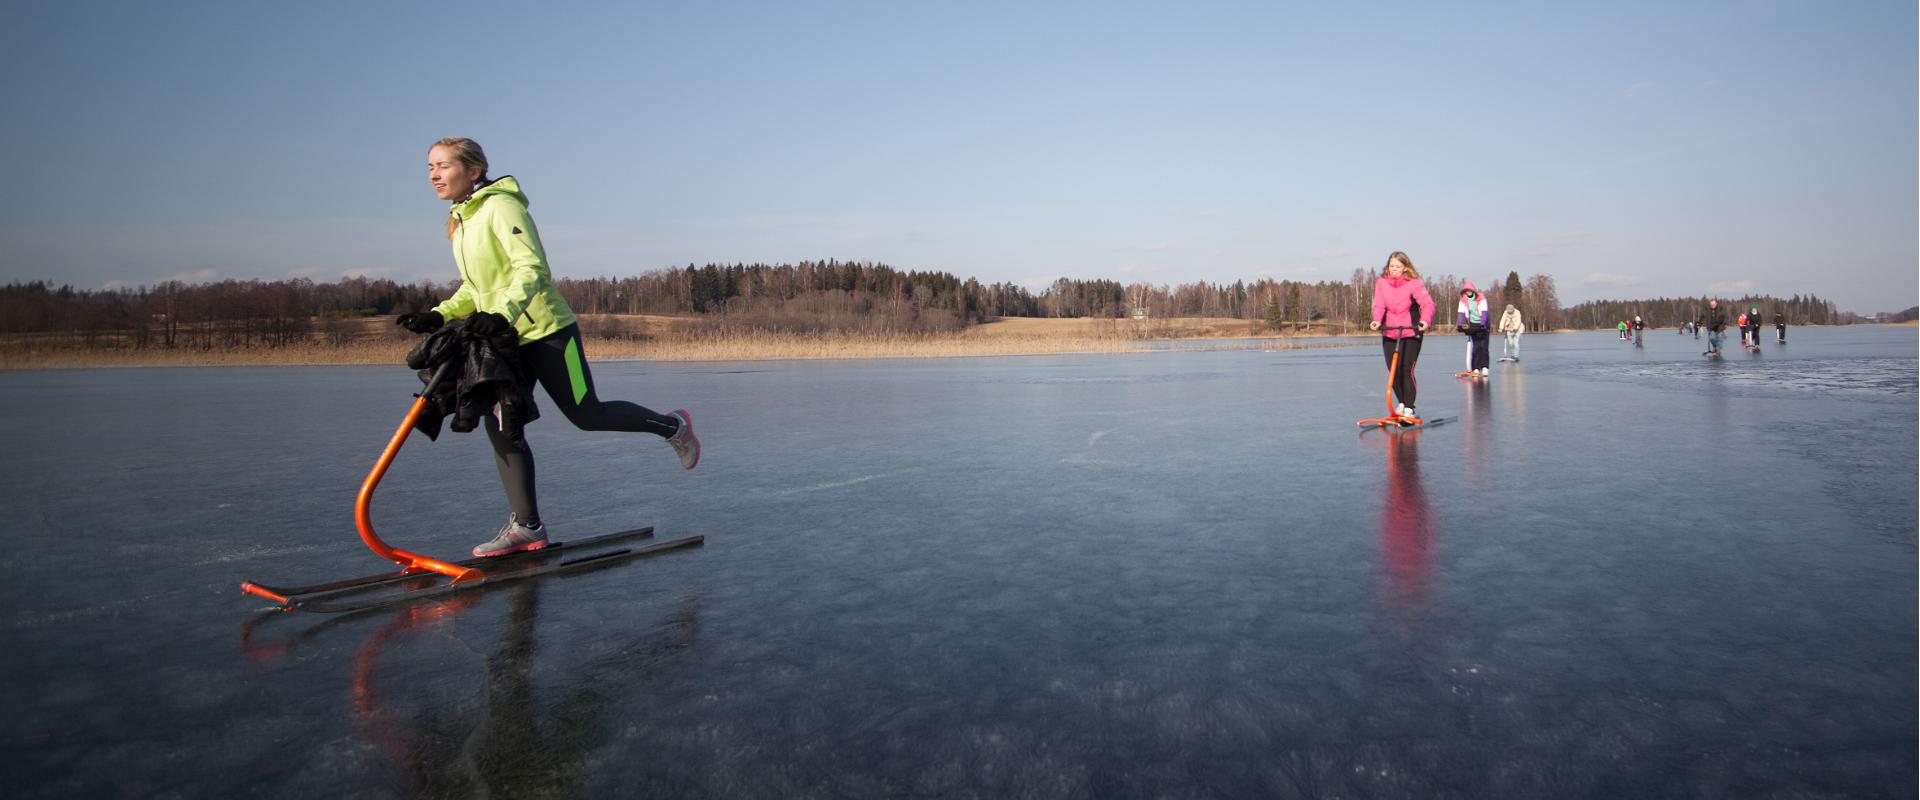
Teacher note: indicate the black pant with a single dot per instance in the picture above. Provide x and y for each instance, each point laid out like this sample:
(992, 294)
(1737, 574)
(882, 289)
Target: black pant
(1404, 386)
(1477, 355)
(559, 363)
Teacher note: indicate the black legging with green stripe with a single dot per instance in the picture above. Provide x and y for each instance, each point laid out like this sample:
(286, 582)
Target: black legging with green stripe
(559, 363)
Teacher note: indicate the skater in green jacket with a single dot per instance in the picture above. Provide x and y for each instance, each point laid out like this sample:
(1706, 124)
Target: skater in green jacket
(505, 284)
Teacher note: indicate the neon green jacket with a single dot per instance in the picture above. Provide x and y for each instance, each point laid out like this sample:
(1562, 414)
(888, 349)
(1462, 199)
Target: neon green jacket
(503, 268)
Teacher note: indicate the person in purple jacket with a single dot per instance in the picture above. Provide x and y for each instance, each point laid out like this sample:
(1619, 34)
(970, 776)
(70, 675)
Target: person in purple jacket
(1470, 316)
(1402, 310)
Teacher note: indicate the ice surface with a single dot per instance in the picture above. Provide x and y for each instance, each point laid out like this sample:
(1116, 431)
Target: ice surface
(1623, 572)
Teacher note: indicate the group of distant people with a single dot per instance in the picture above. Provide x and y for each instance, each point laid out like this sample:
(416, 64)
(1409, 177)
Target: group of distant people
(1714, 319)
(1403, 309)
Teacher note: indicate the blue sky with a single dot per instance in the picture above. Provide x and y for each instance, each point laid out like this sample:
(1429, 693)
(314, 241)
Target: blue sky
(1627, 149)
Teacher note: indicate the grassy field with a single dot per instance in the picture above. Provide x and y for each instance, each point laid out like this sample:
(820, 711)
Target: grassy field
(662, 338)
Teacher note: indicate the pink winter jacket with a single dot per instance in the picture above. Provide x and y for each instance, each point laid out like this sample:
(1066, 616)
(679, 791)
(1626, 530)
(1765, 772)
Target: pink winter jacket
(1393, 302)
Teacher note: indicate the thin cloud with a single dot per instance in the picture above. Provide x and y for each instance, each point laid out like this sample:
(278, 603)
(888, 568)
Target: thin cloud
(1565, 240)
(335, 273)
(1610, 279)
(1178, 211)
(1332, 252)
(1730, 287)
(208, 275)
(1036, 284)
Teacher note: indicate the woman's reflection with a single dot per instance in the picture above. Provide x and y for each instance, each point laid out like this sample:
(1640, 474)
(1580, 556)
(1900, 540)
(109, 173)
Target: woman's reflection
(519, 738)
(1407, 535)
(1477, 422)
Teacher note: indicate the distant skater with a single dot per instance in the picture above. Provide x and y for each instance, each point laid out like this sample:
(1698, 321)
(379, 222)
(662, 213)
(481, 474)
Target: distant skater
(1639, 330)
(1402, 310)
(1750, 330)
(505, 285)
(1470, 315)
(1714, 319)
(1780, 327)
(1511, 326)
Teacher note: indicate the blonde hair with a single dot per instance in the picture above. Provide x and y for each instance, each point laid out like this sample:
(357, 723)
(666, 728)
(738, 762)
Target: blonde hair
(469, 154)
(1404, 260)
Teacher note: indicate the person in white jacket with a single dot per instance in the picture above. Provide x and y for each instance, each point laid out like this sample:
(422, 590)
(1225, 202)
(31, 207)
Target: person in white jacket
(1511, 326)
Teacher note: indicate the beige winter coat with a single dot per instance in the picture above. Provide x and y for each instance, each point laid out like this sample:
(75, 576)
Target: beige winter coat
(1510, 321)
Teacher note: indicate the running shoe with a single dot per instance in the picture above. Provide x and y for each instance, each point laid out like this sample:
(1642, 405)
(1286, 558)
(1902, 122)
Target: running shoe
(513, 538)
(685, 444)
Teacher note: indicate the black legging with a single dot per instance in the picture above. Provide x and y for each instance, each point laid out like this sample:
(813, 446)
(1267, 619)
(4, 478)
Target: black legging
(1403, 383)
(559, 363)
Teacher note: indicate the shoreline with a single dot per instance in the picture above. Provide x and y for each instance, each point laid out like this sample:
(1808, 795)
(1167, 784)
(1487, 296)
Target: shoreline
(669, 343)
(613, 350)
(374, 341)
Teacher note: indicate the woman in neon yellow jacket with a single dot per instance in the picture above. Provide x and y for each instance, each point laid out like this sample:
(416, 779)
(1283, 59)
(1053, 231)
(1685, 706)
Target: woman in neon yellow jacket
(505, 283)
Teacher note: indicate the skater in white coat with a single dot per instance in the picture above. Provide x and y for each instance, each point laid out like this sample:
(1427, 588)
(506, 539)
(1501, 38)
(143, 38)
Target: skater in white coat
(1511, 326)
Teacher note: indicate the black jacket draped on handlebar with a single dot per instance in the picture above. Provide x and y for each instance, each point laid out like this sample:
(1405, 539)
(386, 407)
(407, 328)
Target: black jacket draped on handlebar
(486, 378)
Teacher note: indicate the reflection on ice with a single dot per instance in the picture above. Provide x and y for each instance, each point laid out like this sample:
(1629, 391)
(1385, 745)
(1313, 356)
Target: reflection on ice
(1407, 532)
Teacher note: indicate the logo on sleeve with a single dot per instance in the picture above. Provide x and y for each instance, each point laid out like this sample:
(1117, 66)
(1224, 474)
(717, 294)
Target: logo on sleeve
(516, 229)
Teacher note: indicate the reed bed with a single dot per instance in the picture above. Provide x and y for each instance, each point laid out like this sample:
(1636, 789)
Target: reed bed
(16, 356)
(657, 338)
(669, 347)
(751, 346)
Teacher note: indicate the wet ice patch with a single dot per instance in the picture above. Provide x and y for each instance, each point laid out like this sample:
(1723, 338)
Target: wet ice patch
(1891, 379)
(818, 487)
(259, 551)
(1168, 377)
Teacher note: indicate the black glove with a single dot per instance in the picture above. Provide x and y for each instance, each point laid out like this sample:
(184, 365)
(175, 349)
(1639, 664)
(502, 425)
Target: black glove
(487, 324)
(423, 322)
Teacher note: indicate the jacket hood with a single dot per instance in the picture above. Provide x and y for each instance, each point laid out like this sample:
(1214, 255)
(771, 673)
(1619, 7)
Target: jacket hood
(1467, 286)
(504, 184)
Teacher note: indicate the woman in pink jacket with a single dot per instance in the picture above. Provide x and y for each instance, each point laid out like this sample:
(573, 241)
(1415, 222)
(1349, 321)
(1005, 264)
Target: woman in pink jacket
(1402, 310)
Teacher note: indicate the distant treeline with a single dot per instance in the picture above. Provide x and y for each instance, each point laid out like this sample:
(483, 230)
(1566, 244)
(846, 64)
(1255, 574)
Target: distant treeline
(224, 314)
(832, 295)
(1667, 312)
(877, 290)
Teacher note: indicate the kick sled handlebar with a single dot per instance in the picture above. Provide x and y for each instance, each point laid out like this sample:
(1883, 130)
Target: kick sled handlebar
(363, 506)
(410, 563)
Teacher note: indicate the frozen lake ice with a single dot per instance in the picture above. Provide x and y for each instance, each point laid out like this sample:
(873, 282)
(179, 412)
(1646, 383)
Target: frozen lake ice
(1621, 572)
